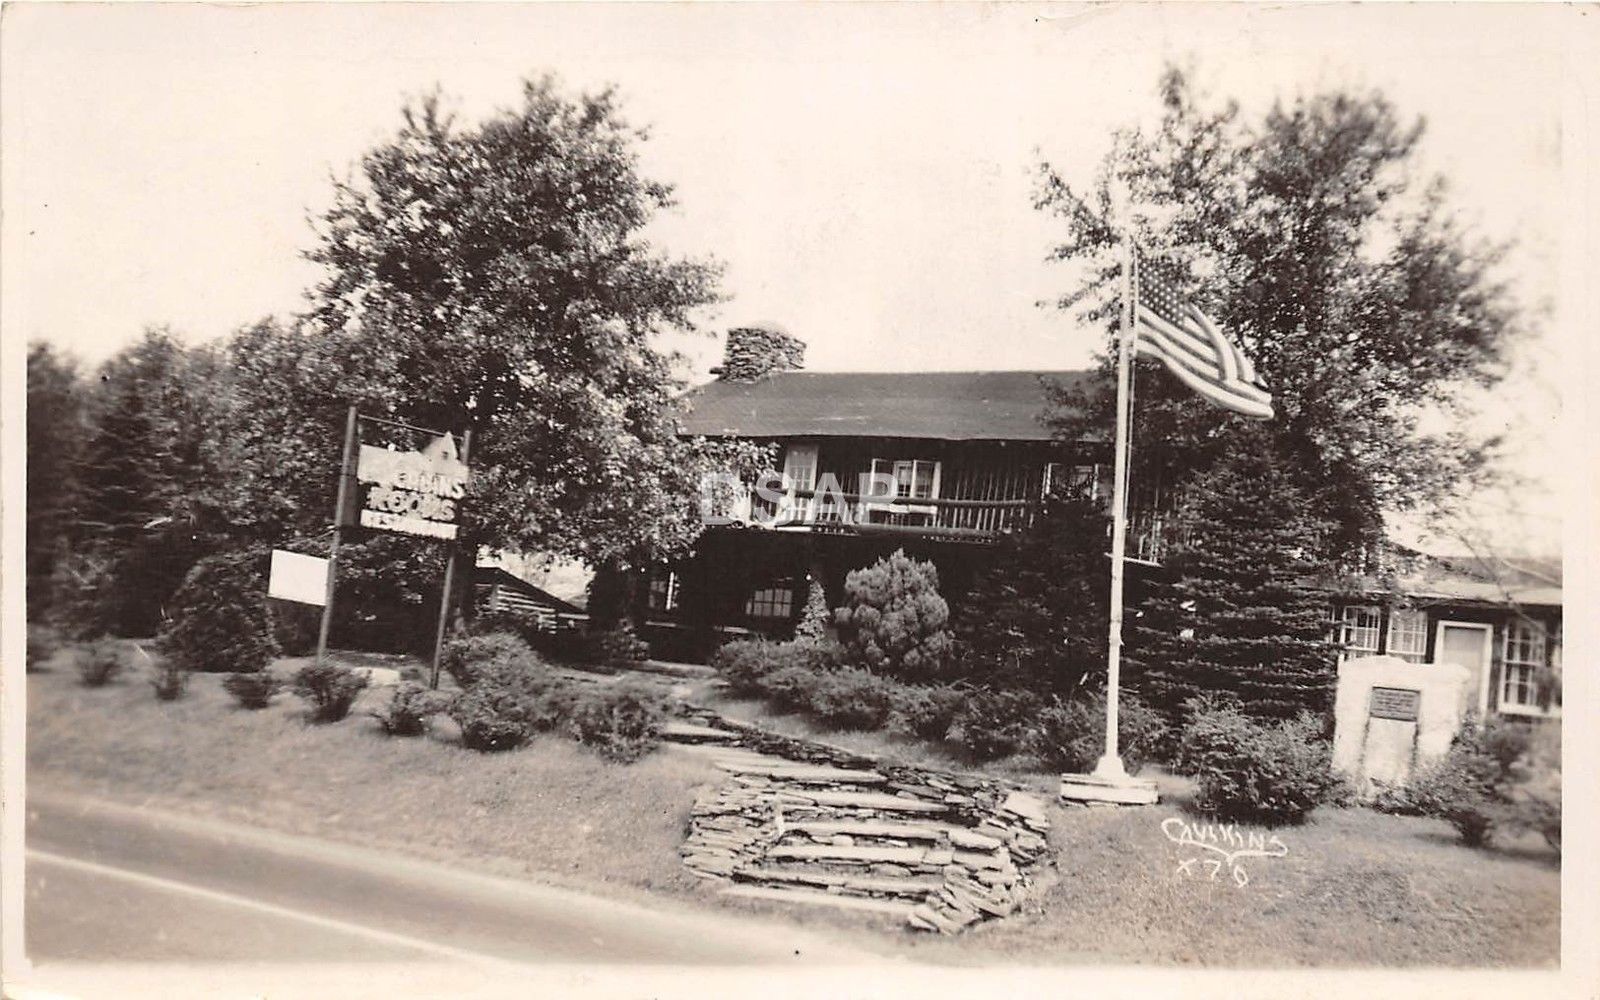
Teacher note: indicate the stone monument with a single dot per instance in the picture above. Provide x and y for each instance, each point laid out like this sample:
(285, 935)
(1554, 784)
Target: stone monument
(1390, 716)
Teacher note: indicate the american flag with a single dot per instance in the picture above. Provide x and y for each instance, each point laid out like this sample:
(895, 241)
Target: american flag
(1170, 327)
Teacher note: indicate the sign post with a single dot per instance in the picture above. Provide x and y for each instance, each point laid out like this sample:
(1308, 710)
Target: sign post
(449, 582)
(338, 521)
(409, 492)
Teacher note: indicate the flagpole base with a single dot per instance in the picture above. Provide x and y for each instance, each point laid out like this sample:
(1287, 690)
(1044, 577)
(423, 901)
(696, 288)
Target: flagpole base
(1109, 768)
(1110, 784)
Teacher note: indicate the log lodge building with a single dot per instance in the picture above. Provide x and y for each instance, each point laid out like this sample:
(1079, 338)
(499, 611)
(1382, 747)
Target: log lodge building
(971, 457)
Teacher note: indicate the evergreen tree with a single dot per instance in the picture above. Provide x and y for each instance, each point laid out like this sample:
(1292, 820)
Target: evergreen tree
(894, 620)
(1241, 617)
(142, 471)
(55, 439)
(814, 617)
(1036, 614)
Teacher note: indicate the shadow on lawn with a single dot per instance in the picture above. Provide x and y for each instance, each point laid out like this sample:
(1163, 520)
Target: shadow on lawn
(1526, 847)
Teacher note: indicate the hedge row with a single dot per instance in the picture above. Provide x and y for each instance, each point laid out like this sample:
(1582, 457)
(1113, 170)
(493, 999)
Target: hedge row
(813, 677)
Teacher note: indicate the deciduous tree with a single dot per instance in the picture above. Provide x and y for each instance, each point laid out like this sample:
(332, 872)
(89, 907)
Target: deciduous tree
(1314, 239)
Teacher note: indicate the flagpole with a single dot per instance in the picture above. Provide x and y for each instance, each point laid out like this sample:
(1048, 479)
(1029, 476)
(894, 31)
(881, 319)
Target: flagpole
(1110, 766)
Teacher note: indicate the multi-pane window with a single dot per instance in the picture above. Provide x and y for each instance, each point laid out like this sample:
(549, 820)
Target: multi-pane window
(800, 466)
(914, 479)
(1523, 658)
(664, 590)
(776, 601)
(1359, 627)
(1408, 634)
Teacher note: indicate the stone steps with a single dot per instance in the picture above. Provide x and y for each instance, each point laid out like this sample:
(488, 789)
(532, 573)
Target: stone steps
(803, 822)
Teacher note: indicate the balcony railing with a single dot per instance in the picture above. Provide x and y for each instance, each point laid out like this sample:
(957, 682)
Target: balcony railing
(963, 520)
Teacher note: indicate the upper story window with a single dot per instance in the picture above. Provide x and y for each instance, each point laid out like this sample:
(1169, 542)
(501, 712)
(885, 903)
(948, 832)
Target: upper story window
(1358, 630)
(914, 479)
(800, 466)
(1408, 634)
(1524, 657)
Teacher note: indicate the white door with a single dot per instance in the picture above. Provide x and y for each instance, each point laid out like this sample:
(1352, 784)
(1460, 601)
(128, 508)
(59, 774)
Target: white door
(1469, 644)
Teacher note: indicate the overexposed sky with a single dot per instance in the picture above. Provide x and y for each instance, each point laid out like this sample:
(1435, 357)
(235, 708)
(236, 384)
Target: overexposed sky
(865, 171)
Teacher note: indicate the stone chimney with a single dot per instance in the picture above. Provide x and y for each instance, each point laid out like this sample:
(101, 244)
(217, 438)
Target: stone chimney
(754, 352)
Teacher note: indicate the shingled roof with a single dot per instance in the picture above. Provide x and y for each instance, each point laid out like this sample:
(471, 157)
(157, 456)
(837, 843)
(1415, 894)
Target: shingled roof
(947, 406)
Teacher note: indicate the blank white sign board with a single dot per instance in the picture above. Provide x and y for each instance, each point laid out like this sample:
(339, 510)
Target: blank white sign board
(298, 578)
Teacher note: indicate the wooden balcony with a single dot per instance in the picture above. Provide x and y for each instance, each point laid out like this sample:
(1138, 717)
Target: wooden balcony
(976, 521)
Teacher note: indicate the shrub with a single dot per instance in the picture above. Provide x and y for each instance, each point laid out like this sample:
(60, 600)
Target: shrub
(997, 723)
(100, 662)
(746, 664)
(219, 617)
(295, 626)
(330, 688)
(1255, 772)
(852, 698)
(621, 722)
(894, 620)
(1071, 736)
(791, 687)
(409, 709)
(1493, 777)
(509, 703)
(619, 646)
(253, 690)
(169, 679)
(743, 664)
(927, 711)
(465, 658)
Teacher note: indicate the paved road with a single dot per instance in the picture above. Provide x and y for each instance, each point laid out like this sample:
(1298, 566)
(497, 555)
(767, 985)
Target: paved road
(113, 883)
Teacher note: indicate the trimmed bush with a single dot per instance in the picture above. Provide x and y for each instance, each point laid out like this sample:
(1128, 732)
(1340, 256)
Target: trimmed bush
(465, 658)
(409, 709)
(100, 662)
(1494, 778)
(1266, 773)
(219, 617)
(253, 690)
(169, 680)
(926, 711)
(621, 722)
(1071, 736)
(997, 723)
(509, 703)
(852, 698)
(894, 621)
(331, 689)
(791, 687)
(746, 664)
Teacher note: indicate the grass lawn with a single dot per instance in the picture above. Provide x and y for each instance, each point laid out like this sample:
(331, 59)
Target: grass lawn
(552, 808)
(1355, 889)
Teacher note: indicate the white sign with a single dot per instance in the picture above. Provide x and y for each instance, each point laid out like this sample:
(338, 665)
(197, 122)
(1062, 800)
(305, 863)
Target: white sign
(298, 578)
(414, 492)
